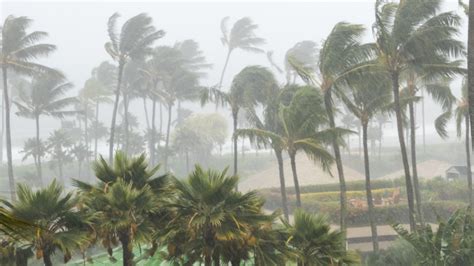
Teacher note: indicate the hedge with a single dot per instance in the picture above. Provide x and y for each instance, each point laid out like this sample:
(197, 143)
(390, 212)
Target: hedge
(334, 195)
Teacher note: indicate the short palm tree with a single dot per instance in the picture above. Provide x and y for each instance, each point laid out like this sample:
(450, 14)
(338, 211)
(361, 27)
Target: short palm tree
(241, 36)
(312, 238)
(209, 215)
(58, 224)
(46, 97)
(132, 43)
(251, 86)
(412, 34)
(18, 50)
(33, 150)
(80, 152)
(57, 145)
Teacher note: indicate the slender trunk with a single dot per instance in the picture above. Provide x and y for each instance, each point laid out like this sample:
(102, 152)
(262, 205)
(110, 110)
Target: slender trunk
(216, 258)
(86, 131)
(295, 178)
(406, 166)
(368, 189)
(235, 262)
(423, 119)
(380, 140)
(60, 168)
(168, 128)
(161, 120)
(96, 128)
(127, 249)
(153, 133)
(114, 113)
(145, 108)
(337, 155)
(281, 172)
(187, 161)
(79, 166)
(2, 132)
(47, 259)
(207, 260)
(360, 140)
(38, 151)
(468, 162)
(224, 68)
(349, 145)
(126, 124)
(235, 114)
(6, 100)
(416, 185)
(470, 67)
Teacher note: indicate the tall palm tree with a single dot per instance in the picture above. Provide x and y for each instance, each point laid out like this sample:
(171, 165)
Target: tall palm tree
(81, 153)
(461, 115)
(410, 34)
(250, 87)
(18, 50)
(316, 244)
(58, 224)
(241, 36)
(132, 43)
(306, 53)
(339, 59)
(45, 97)
(300, 123)
(32, 149)
(365, 99)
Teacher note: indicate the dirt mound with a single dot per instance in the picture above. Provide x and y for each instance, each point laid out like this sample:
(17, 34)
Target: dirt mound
(309, 173)
(427, 170)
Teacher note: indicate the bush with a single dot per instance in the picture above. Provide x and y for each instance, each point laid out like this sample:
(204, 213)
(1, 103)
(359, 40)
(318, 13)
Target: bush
(334, 195)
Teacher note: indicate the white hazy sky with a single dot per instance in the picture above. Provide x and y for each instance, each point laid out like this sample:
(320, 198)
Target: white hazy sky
(78, 28)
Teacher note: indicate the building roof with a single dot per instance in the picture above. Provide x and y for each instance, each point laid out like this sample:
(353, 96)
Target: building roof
(460, 169)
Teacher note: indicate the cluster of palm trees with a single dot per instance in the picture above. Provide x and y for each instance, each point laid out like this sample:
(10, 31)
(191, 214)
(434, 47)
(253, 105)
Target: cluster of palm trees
(198, 219)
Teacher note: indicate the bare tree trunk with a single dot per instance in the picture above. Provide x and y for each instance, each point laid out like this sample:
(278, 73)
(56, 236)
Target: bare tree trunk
(168, 128)
(281, 172)
(114, 113)
(368, 189)
(224, 68)
(406, 166)
(6, 100)
(337, 155)
(38, 150)
(468, 162)
(416, 186)
(295, 178)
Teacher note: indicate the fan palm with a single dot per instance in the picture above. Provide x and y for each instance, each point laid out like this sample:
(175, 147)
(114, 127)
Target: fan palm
(81, 153)
(58, 224)
(364, 100)
(209, 215)
(241, 36)
(412, 34)
(46, 97)
(300, 130)
(18, 50)
(316, 244)
(251, 86)
(57, 146)
(132, 43)
(32, 149)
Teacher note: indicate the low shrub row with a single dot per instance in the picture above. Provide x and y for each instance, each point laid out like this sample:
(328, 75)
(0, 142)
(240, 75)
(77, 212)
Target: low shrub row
(334, 195)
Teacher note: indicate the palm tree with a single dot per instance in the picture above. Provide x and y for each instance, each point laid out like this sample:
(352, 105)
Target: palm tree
(250, 87)
(128, 198)
(408, 35)
(316, 244)
(132, 43)
(18, 51)
(32, 149)
(46, 97)
(364, 100)
(209, 216)
(58, 224)
(57, 146)
(80, 153)
(339, 60)
(306, 53)
(241, 36)
(461, 114)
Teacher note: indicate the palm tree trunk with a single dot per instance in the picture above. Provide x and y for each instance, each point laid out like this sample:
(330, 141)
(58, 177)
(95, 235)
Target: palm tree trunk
(96, 128)
(6, 100)
(47, 259)
(114, 113)
(368, 189)
(423, 119)
(86, 137)
(60, 168)
(126, 123)
(235, 114)
(470, 67)
(153, 133)
(416, 186)
(2, 132)
(168, 128)
(337, 155)
(281, 172)
(468, 162)
(127, 249)
(187, 161)
(224, 68)
(295, 178)
(406, 166)
(79, 166)
(145, 108)
(38, 150)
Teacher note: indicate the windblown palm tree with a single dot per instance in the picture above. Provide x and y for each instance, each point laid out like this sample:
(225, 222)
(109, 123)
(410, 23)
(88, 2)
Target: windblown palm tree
(241, 36)
(57, 145)
(132, 43)
(18, 49)
(408, 35)
(306, 53)
(45, 97)
(58, 224)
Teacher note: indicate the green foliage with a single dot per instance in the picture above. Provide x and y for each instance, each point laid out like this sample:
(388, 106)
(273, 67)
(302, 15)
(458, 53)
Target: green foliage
(400, 252)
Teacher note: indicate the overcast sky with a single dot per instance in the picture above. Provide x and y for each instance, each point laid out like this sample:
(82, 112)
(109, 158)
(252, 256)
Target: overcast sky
(78, 28)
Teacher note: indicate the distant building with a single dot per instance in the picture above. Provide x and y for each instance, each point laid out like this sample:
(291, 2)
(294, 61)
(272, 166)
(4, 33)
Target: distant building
(456, 173)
